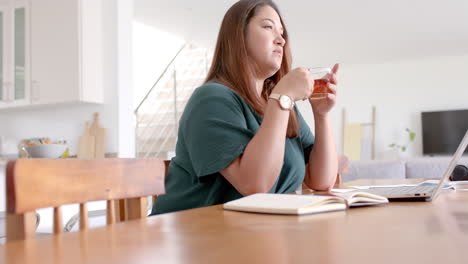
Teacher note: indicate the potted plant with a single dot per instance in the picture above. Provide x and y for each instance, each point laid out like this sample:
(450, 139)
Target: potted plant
(403, 147)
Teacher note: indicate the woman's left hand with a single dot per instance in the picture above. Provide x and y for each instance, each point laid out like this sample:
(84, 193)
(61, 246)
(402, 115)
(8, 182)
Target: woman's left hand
(323, 106)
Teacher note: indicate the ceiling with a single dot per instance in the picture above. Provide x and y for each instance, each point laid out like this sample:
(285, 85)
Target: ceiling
(324, 32)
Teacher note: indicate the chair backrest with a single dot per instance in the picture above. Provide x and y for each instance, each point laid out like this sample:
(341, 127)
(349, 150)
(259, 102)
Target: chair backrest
(39, 183)
(343, 167)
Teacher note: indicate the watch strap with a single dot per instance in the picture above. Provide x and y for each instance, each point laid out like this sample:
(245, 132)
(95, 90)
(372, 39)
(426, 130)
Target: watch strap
(278, 98)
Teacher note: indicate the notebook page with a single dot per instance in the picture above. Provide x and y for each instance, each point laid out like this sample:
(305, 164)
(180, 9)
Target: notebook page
(362, 198)
(282, 201)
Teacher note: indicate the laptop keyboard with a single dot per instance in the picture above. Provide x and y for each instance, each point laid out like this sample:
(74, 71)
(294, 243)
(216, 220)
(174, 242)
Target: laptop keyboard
(395, 191)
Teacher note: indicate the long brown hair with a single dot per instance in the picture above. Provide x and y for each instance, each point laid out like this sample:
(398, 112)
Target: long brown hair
(229, 65)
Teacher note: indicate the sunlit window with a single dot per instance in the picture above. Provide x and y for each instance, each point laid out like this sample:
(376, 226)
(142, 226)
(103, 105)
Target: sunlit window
(153, 49)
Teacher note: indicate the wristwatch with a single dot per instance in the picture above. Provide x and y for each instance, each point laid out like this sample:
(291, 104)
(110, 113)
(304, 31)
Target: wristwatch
(285, 101)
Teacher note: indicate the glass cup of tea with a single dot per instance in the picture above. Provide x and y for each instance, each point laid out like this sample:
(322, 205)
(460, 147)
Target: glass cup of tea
(321, 78)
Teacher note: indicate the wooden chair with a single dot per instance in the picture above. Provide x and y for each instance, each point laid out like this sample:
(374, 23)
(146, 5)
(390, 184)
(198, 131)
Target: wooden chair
(343, 167)
(39, 183)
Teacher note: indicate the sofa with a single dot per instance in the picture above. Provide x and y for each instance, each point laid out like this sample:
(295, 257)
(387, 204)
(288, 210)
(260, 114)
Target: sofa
(430, 167)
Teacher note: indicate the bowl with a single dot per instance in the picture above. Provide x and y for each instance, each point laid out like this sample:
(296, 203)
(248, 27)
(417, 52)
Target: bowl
(46, 151)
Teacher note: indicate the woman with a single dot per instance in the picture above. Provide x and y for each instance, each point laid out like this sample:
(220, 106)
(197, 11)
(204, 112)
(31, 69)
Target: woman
(240, 133)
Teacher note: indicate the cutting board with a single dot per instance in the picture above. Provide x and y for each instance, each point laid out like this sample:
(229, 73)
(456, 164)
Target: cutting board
(99, 134)
(86, 144)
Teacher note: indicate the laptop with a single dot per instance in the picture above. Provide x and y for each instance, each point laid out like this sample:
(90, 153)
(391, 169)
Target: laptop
(421, 192)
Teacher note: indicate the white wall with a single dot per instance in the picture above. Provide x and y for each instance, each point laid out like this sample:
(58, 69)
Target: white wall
(400, 91)
(125, 115)
(67, 121)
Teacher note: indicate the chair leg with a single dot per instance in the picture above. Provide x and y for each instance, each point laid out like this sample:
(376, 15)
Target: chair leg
(110, 212)
(136, 208)
(58, 222)
(338, 181)
(120, 205)
(20, 226)
(83, 216)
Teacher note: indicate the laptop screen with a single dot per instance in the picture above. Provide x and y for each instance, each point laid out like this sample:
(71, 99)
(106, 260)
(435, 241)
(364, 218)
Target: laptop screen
(461, 148)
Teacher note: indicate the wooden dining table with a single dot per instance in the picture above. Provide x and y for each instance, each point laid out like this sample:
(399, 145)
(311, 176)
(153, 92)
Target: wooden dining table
(400, 232)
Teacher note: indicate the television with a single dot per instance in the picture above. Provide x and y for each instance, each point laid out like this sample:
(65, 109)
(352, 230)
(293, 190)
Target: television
(442, 131)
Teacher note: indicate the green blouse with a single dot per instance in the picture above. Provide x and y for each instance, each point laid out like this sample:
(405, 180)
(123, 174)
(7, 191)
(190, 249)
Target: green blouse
(216, 126)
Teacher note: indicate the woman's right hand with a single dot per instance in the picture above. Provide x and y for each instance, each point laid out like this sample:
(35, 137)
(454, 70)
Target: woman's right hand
(297, 84)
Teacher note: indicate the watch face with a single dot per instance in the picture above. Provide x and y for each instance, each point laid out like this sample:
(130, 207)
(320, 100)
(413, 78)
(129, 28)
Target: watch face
(285, 102)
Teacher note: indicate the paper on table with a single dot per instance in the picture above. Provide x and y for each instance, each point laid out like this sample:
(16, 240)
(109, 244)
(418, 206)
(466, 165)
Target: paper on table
(365, 187)
(448, 185)
(342, 190)
(427, 182)
(455, 185)
(459, 185)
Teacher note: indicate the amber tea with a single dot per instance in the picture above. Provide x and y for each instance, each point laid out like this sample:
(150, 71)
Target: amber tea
(321, 78)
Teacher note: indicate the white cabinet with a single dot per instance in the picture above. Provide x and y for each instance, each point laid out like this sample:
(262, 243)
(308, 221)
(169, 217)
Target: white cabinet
(66, 51)
(14, 53)
(50, 52)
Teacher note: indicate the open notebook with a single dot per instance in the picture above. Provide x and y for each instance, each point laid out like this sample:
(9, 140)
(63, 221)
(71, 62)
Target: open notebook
(302, 204)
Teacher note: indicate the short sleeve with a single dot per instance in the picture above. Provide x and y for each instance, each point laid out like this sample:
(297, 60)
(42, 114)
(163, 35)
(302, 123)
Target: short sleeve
(215, 131)
(306, 136)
